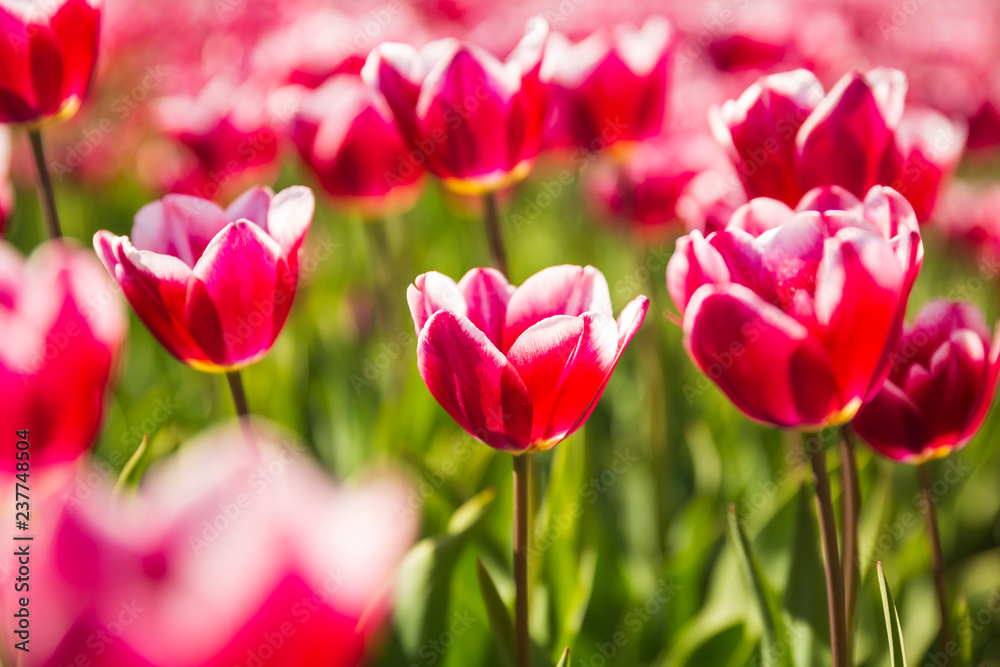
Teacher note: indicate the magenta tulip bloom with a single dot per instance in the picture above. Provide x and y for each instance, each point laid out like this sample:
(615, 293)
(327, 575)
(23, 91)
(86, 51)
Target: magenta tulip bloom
(250, 554)
(941, 386)
(354, 148)
(47, 57)
(709, 200)
(519, 368)
(794, 314)
(785, 137)
(227, 131)
(474, 121)
(62, 328)
(610, 87)
(213, 286)
(6, 187)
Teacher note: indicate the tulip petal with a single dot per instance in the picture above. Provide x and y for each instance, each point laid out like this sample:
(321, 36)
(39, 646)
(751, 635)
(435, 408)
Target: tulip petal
(486, 293)
(557, 290)
(252, 205)
(564, 362)
(431, 292)
(892, 424)
(473, 382)
(236, 302)
(695, 262)
(768, 364)
(858, 281)
(178, 225)
(288, 219)
(830, 198)
(760, 215)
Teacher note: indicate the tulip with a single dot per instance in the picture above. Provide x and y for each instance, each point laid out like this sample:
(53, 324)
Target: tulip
(227, 131)
(609, 88)
(709, 200)
(472, 120)
(213, 286)
(519, 368)
(47, 57)
(62, 328)
(794, 313)
(250, 554)
(644, 188)
(6, 187)
(941, 385)
(785, 137)
(354, 148)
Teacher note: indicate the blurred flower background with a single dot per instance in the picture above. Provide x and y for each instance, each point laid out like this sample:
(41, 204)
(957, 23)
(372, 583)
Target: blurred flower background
(656, 124)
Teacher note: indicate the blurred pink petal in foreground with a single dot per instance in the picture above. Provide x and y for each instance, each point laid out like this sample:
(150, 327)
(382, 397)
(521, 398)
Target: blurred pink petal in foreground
(213, 286)
(62, 327)
(943, 380)
(47, 57)
(786, 136)
(520, 368)
(472, 120)
(794, 313)
(230, 553)
(352, 145)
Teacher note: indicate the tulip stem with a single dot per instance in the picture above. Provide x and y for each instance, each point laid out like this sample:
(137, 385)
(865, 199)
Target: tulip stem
(522, 639)
(937, 555)
(239, 396)
(850, 508)
(492, 213)
(46, 195)
(831, 558)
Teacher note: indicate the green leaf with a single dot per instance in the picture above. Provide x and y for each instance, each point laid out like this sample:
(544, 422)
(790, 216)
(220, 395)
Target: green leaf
(500, 623)
(964, 630)
(131, 474)
(806, 590)
(564, 660)
(425, 576)
(774, 650)
(892, 628)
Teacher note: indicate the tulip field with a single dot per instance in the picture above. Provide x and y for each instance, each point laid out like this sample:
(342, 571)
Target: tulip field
(550, 333)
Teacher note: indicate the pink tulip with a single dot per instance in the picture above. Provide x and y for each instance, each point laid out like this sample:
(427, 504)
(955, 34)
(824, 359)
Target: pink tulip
(472, 120)
(709, 200)
(610, 87)
(213, 286)
(354, 148)
(785, 137)
(644, 187)
(47, 57)
(941, 386)
(519, 368)
(62, 328)
(6, 187)
(250, 554)
(227, 129)
(794, 314)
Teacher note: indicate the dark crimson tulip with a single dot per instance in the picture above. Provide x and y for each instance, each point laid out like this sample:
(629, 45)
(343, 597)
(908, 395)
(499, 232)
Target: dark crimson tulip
(519, 368)
(213, 286)
(227, 129)
(610, 87)
(47, 57)
(119, 583)
(354, 148)
(643, 188)
(62, 327)
(794, 314)
(474, 121)
(942, 383)
(785, 137)
(6, 187)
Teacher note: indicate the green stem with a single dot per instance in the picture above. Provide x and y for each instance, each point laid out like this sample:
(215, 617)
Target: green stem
(850, 510)
(937, 556)
(46, 195)
(831, 557)
(522, 639)
(239, 396)
(492, 213)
